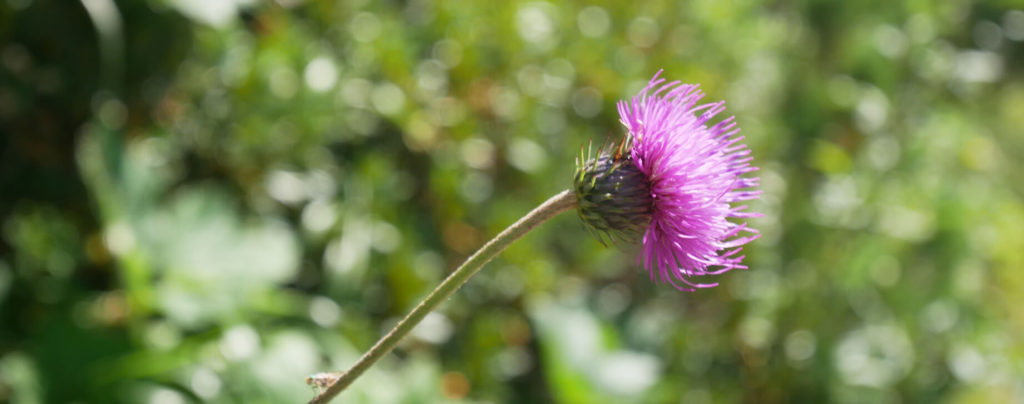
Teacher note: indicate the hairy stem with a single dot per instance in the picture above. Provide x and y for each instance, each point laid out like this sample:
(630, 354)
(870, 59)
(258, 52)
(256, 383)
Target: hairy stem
(559, 203)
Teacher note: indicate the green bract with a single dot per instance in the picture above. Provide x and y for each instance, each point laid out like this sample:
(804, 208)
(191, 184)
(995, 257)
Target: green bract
(614, 198)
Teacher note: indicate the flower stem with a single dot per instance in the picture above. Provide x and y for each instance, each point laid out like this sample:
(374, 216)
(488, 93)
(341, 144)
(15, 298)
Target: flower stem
(559, 203)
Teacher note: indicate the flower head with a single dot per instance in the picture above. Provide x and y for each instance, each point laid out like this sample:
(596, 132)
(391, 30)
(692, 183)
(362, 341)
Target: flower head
(673, 183)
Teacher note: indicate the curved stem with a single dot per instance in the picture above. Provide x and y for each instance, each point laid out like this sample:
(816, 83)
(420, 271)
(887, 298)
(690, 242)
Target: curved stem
(559, 203)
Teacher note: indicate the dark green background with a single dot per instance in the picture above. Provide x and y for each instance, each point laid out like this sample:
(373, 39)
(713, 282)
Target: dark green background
(208, 201)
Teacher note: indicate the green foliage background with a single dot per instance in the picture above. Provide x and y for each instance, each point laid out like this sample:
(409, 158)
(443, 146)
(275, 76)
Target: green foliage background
(208, 201)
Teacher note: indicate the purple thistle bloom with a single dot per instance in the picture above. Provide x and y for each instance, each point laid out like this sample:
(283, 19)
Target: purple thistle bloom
(690, 179)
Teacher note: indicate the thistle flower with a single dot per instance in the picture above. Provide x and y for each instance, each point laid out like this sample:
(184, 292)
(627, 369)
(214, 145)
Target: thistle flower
(672, 183)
